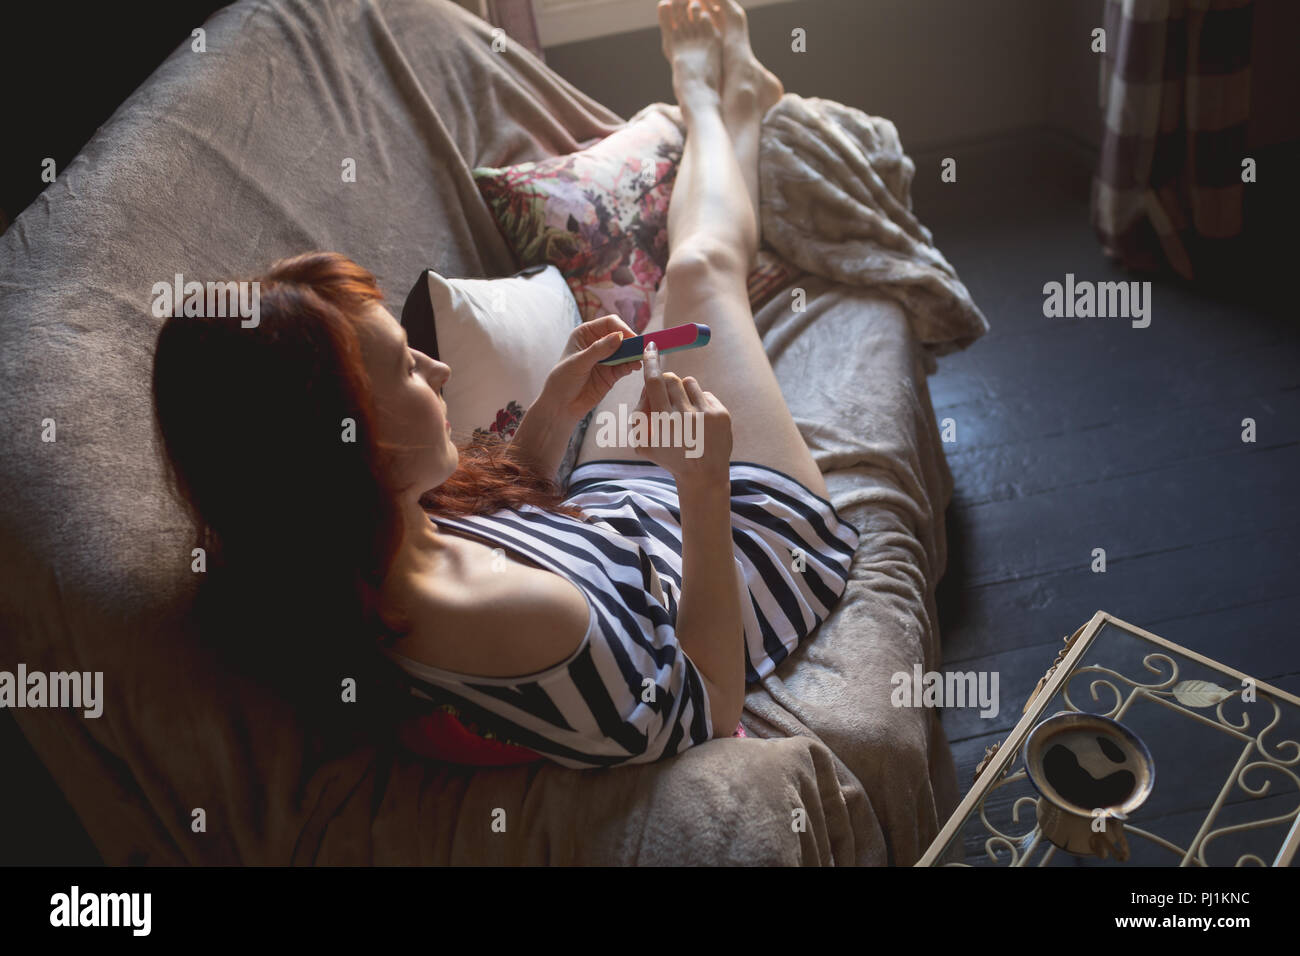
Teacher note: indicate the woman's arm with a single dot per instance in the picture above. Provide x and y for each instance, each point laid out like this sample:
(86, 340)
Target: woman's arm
(572, 389)
(709, 626)
(543, 436)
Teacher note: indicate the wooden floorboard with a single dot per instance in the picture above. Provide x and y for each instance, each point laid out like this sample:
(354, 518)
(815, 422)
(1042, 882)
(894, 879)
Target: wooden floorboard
(1074, 434)
(1229, 498)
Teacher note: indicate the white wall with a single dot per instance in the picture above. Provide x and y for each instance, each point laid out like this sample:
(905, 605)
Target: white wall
(947, 72)
(943, 70)
(1073, 75)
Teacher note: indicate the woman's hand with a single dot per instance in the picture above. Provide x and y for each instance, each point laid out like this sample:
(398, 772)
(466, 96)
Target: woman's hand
(577, 383)
(703, 457)
(572, 389)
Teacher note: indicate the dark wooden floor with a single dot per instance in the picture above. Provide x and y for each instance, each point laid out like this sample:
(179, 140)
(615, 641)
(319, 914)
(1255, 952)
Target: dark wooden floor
(1075, 434)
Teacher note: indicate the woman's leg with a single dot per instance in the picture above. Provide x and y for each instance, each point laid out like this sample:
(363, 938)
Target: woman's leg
(712, 237)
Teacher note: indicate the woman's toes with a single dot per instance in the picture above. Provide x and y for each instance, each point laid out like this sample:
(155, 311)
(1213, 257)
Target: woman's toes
(701, 24)
(666, 25)
(726, 14)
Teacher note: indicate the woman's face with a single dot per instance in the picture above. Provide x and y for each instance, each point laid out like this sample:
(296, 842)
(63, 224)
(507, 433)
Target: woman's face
(414, 435)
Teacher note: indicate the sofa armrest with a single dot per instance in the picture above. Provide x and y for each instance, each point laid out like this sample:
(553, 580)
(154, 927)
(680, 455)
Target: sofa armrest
(738, 801)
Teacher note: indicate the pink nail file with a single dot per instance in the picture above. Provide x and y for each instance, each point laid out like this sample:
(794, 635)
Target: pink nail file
(693, 335)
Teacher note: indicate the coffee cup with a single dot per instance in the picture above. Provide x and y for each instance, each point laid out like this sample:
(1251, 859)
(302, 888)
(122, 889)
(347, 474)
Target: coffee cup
(1091, 773)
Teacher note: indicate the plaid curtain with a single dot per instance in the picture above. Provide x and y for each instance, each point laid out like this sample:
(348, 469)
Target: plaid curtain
(1175, 96)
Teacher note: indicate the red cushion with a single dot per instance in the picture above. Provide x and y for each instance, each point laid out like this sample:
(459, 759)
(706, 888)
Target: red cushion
(443, 735)
(440, 735)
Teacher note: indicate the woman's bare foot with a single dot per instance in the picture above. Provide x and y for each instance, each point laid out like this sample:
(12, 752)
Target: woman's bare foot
(746, 83)
(693, 46)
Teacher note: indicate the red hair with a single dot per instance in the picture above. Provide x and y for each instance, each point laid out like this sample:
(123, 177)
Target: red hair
(298, 527)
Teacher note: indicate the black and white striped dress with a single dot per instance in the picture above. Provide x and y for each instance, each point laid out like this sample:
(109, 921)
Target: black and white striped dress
(629, 693)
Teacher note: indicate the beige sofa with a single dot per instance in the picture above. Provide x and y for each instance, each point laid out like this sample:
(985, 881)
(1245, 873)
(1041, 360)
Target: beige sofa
(225, 160)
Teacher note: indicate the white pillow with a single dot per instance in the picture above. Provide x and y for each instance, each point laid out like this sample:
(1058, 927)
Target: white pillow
(501, 338)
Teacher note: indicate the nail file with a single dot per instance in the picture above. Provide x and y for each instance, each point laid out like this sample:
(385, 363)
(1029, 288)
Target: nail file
(690, 336)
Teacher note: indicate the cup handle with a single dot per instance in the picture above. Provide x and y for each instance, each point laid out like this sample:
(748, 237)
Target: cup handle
(1111, 840)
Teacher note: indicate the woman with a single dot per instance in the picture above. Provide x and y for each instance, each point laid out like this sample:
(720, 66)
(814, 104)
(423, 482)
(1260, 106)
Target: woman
(615, 622)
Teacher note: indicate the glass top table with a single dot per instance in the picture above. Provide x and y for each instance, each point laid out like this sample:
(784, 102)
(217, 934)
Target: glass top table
(1225, 750)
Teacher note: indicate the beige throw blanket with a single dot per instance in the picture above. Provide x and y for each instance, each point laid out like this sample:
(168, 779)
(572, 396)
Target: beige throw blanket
(835, 188)
(835, 200)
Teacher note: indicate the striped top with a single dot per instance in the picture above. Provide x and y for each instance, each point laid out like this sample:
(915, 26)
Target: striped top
(629, 693)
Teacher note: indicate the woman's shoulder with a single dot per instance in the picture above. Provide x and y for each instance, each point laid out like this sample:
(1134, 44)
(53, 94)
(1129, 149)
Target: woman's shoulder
(481, 616)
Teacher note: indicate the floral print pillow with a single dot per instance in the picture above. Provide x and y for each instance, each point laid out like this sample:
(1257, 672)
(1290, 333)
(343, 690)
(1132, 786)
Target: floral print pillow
(507, 422)
(600, 216)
